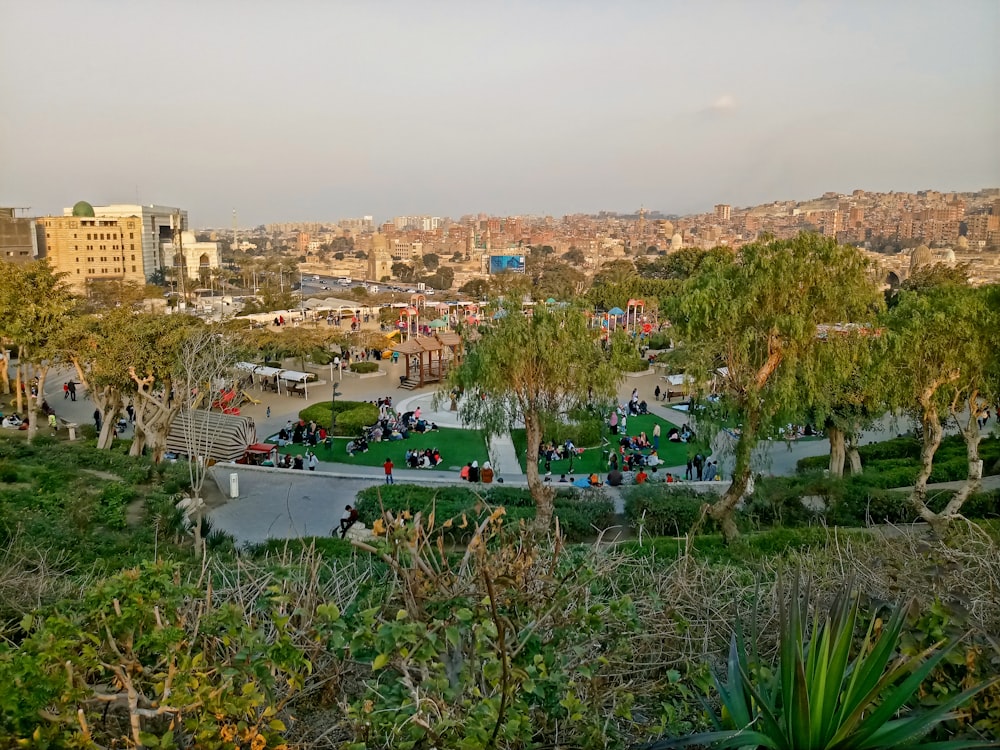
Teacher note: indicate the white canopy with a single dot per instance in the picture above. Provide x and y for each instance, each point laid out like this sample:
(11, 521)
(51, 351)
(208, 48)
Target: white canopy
(295, 377)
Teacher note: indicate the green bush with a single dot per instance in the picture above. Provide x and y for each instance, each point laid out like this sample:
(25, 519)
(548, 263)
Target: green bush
(354, 421)
(634, 364)
(351, 416)
(364, 367)
(659, 340)
(579, 513)
(584, 429)
(112, 502)
(330, 547)
(663, 510)
(777, 501)
(321, 356)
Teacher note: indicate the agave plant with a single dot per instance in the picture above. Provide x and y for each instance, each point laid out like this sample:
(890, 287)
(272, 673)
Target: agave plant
(818, 698)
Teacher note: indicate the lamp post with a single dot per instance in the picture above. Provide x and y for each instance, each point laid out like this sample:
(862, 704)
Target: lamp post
(333, 408)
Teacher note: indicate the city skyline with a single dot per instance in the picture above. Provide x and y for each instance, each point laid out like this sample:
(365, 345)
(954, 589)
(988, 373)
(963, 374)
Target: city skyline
(306, 111)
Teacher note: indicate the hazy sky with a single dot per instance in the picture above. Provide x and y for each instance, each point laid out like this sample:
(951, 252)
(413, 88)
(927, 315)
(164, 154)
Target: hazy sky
(322, 109)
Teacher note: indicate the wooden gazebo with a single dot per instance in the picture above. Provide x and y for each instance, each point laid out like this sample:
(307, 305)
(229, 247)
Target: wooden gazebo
(425, 358)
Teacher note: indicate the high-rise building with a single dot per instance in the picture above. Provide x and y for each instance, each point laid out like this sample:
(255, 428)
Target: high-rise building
(18, 238)
(723, 212)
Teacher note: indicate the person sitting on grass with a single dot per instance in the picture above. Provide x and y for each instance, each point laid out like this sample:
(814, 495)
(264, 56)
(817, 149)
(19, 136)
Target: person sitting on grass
(595, 481)
(615, 477)
(464, 473)
(486, 475)
(642, 477)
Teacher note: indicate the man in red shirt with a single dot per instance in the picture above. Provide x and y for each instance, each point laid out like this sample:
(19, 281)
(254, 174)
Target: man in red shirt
(388, 470)
(641, 477)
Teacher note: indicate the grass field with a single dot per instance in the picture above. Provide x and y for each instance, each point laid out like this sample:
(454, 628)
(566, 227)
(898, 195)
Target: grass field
(592, 460)
(457, 447)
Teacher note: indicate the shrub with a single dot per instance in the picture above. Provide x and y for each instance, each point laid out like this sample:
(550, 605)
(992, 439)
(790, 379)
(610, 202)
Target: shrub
(777, 501)
(364, 367)
(321, 356)
(112, 502)
(579, 513)
(351, 416)
(634, 364)
(663, 510)
(8, 473)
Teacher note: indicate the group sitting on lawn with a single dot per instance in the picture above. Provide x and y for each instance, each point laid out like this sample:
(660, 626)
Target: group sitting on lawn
(425, 459)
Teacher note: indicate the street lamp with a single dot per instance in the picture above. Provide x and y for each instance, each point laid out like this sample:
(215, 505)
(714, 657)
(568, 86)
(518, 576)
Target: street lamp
(333, 408)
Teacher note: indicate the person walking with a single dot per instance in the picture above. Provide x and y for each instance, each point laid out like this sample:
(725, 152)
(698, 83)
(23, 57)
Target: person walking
(269, 412)
(72, 390)
(97, 420)
(388, 471)
(65, 391)
(312, 462)
(656, 394)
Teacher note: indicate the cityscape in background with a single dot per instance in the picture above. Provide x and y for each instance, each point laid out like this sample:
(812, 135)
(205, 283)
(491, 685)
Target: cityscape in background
(149, 243)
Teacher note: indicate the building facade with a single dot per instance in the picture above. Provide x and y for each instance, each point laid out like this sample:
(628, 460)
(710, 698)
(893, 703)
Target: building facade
(18, 238)
(109, 243)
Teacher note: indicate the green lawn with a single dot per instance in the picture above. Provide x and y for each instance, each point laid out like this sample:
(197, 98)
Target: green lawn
(592, 460)
(457, 447)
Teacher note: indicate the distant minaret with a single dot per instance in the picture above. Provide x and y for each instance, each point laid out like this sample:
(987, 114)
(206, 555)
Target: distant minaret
(642, 220)
(235, 243)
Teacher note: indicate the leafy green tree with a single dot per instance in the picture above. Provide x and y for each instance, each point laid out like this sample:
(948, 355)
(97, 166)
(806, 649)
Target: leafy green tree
(532, 369)
(35, 305)
(945, 339)
(149, 354)
(757, 314)
(849, 387)
(615, 272)
(431, 261)
(575, 256)
(476, 288)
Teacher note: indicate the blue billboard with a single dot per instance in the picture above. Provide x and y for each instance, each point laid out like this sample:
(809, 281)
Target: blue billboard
(501, 263)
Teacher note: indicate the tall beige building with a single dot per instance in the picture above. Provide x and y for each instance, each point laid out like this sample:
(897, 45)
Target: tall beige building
(109, 243)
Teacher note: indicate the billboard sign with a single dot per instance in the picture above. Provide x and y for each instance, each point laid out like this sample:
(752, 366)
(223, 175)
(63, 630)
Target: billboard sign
(501, 263)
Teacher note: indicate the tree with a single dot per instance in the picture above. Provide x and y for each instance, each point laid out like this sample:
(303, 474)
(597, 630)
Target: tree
(557, 365)
(35, 304)
(476, 288)
(945, 340)
(431, 261)
(206, 359)
(757, 315)
(402, 271)
(575, 256)
(849, 391)
(149, 356)
(615, 272)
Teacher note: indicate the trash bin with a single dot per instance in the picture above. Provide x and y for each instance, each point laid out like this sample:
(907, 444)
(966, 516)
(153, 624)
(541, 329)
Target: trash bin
(234, 485)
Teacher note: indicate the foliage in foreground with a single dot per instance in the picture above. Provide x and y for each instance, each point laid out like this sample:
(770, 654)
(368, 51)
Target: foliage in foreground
(582, 514)
(816, 697)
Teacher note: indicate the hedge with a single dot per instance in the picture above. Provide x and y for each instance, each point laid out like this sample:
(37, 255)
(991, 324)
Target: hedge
(662, 510)
(352, 416)
(580, 512)
(364, 367)
(634, 364)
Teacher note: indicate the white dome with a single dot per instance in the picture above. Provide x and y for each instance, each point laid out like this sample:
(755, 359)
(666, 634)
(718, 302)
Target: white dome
(188, 238)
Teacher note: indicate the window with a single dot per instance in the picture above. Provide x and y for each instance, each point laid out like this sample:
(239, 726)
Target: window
(132, 247)
(133, 257)
(131, 235)
(78, 271)
(133, 269)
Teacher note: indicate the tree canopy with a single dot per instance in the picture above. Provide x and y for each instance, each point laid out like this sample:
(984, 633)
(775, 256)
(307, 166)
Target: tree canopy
(531, 368)
(757, 315)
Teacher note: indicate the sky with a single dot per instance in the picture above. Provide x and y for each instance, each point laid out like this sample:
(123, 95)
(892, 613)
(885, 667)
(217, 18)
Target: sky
(315, 110)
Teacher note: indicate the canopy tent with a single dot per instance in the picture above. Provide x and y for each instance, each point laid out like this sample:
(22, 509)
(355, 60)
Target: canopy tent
(301, 378)
(439, 323)
(211, 435)
(616, 312)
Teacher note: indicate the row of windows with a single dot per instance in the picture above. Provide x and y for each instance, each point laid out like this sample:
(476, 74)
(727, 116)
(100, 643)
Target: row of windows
(92, 271)
(105, 260)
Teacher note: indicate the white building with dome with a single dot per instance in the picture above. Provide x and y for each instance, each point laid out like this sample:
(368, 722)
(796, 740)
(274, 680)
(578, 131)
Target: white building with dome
(195, 256)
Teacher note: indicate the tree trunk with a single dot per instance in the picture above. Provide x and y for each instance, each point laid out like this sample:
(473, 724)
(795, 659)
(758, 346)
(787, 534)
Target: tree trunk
(837, 450)
(109, 401)
(541, 493)
(17, 385)
(974, 477)
(853, 456)
(723, 509)
(35, 401)
(5, 371)
(932, 434)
